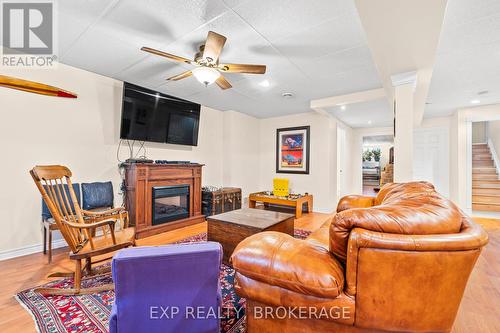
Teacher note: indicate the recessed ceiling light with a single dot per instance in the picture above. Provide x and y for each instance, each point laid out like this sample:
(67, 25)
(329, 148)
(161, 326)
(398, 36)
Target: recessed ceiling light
(343, 107)
(287, 95)
(369, 122)
(264, 83)
(475, 101)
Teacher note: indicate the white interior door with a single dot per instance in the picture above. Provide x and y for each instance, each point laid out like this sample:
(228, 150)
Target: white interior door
(431, 157)
(341, 161)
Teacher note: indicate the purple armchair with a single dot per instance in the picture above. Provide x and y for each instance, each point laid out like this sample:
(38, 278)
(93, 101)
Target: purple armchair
(173, 288)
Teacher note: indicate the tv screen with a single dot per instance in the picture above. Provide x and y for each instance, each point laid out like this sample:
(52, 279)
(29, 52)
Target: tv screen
(148, 115)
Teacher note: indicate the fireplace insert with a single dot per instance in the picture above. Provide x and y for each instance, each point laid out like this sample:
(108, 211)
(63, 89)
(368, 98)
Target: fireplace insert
(170, 203)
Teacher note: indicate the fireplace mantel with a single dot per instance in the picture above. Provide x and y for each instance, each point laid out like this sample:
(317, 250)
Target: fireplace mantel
(140, 178)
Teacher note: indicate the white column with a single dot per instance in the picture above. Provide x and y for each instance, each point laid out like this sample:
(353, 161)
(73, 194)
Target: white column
(404, 88)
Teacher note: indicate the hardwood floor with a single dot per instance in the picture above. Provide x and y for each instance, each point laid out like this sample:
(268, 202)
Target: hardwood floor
(478, 311)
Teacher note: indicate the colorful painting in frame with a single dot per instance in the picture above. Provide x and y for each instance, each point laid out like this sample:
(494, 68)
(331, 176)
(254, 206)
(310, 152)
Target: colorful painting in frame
(292, 150)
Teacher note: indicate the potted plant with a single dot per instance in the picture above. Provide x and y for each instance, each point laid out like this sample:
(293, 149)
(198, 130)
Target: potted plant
(367, 155)
(376, 154)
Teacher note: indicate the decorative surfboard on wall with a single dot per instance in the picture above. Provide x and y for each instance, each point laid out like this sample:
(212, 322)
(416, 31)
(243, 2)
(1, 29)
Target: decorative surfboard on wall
(34, 87)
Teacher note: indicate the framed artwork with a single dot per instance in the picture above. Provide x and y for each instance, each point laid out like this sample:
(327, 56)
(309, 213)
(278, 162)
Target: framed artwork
(292, 150)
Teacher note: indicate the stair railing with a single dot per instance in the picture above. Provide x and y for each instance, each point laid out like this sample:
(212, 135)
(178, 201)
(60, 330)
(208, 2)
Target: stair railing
(496, 160)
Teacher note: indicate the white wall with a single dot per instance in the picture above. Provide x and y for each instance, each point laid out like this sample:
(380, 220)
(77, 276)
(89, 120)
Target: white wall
(83, 134)
(342, 161)
(241, 152)
(479, 132)
(403, 140)
(321, 180)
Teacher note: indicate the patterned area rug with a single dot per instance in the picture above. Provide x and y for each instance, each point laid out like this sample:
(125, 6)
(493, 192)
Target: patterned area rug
(90, 313)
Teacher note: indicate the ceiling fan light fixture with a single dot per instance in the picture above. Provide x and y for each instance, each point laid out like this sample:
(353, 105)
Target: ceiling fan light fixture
(206, 75)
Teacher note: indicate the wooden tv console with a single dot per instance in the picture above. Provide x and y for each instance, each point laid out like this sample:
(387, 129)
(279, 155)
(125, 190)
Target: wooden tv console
(140, 178)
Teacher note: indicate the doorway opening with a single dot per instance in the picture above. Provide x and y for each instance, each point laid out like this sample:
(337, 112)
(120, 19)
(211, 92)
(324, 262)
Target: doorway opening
(378, 162)
(485, 162)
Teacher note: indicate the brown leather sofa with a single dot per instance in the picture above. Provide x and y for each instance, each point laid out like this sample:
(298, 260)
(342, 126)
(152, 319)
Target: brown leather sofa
(398, 262)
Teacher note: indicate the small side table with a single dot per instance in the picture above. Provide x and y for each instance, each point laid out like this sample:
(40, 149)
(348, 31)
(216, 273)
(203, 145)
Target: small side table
(284, 201)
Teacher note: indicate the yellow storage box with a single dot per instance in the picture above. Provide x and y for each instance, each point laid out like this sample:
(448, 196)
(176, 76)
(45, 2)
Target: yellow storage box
(280, 187)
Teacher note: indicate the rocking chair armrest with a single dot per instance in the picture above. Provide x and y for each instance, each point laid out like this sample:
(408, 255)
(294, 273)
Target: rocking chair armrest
(92, 225)
(111, 211)
(115, 213)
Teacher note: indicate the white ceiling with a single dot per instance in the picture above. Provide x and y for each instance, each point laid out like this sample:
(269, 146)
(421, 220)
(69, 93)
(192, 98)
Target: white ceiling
(310, 50)
(468, 59)
(375, 113)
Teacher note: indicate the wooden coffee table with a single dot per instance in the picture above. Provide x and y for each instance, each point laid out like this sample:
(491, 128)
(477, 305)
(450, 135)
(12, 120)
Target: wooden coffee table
(297, 203)
(232, 227)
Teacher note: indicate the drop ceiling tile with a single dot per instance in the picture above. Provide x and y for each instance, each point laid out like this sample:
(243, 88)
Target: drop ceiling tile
(459, 12)
(468, 36)
(240, 44)
(152, 71)
(277, 106)
(234, 3)
(74, 17)
(280, 73)
(220, 99)
(341, 33)
(279, 18)
(358, 79)
(101, 52)
(376, 113)
(185, 88)
(468, 59)
(159, 22)
(337, 63)
(459, 76)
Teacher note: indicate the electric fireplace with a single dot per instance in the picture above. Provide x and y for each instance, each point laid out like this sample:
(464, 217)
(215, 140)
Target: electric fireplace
(170, 203)
(162, 197)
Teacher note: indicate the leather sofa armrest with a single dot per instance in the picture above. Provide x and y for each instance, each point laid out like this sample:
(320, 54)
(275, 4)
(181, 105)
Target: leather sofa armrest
(471, 237)
(355, 201)
(277, 259)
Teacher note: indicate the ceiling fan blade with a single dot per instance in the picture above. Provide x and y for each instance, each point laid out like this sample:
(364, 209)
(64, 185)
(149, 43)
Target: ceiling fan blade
(166, 55)
(180, 76)
(243, 68)
(213, 47)
(223, 83)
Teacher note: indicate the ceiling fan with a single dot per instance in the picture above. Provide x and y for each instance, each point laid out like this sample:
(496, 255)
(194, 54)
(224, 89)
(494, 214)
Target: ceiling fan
(208, 70)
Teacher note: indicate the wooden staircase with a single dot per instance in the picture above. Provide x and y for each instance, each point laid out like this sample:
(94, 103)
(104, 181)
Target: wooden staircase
(485, 181)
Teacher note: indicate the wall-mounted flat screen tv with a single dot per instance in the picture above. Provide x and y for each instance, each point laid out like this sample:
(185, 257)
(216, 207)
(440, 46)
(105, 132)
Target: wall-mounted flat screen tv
(148, 115)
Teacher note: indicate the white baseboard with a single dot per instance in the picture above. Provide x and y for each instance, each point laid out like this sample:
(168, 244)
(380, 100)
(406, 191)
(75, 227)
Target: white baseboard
(324, 210)
(30, 249)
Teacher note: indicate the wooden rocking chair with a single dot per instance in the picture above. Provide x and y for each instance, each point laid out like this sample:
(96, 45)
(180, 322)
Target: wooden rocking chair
(79, 227)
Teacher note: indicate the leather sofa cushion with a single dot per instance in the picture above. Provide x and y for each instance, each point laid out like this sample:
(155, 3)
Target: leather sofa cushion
(321, 237)
(278, 259)
(411, 208)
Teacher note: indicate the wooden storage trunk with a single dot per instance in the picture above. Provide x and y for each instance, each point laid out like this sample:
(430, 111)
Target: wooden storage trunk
(221, 201)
